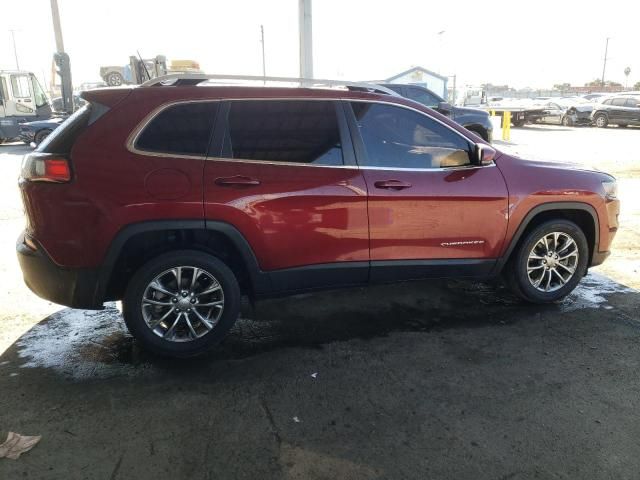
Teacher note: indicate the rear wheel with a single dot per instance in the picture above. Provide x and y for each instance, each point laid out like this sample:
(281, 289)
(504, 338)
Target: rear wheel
(601, 120)
(549, 262)
(622, 126)
(181, 303)
(114, 79)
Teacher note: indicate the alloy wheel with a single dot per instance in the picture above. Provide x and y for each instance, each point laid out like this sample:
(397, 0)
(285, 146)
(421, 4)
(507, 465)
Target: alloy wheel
(552, 262)
(182, 304)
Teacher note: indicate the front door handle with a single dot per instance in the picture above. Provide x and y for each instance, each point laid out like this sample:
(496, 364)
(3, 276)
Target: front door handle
(237, 180)
(392, 184)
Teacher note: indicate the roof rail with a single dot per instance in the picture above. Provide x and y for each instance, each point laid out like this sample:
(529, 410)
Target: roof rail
(183, 79)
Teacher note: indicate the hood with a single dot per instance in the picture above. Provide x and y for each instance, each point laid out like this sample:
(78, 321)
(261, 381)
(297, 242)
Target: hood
(467, 110)
(578, 167)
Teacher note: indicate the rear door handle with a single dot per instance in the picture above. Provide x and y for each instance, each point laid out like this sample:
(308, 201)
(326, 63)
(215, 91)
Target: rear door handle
(238, 180)
(392, 184)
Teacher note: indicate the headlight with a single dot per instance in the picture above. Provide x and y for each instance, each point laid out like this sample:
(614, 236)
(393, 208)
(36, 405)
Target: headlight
(610, 190)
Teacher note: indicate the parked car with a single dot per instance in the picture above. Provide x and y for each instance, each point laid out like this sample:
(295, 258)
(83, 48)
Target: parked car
(37, 131)
(619, 110)
(567, 112)
(470, 118)
(57, 103)
(178, 199)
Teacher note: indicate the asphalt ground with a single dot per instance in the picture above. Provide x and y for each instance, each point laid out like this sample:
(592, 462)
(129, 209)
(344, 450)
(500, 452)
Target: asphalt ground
(440, 379)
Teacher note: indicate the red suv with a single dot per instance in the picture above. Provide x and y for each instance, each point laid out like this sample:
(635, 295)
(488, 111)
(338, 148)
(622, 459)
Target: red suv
(178, 199)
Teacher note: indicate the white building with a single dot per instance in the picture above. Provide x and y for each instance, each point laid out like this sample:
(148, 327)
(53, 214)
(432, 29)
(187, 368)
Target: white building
(423, 77)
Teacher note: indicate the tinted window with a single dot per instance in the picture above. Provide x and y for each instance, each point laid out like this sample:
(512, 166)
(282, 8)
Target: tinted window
(632, 102)
(284, 131)
(607, 102)
(422, 96)
(182, 129)
(396, 137)
(619, 102)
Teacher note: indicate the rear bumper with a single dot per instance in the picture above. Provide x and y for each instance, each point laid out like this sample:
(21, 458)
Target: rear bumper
(75, 288)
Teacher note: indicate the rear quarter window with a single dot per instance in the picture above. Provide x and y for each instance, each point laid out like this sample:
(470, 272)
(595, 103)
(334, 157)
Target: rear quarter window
(181, 129)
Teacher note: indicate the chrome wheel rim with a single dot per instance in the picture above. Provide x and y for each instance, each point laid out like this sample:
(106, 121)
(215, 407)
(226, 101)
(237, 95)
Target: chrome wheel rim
(552, 262)
(600, 121)
(182, 304)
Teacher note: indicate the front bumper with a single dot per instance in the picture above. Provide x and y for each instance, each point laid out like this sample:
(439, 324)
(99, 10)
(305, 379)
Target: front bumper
(75, 288)
(27, 135)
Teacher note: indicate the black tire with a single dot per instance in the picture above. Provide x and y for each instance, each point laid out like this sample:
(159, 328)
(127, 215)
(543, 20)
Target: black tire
(480, 132)
(132, 303)
(601, 120)
(622, 126)
(517, 123)
(516, 274)
(40, 136)
(566, 121)
(114, 79)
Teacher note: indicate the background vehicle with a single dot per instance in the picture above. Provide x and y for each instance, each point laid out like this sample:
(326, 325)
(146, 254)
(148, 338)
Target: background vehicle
(619, 110)
(21, 100)
(57, 104)
(37, 131)
(470, 118)
(268, 191)
(138, 71)
(568, 112)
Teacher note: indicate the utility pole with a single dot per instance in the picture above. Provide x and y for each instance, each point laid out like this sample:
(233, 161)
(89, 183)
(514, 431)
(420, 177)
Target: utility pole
(15, 52)
(62, 61)
(604, 64)
(264, 68)
(306, 38)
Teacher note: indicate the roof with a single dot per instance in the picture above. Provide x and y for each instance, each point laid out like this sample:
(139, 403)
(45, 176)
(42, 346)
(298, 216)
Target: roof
(416, 69)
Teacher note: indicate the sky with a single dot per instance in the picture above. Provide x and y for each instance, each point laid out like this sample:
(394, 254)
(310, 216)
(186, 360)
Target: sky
(520, 43)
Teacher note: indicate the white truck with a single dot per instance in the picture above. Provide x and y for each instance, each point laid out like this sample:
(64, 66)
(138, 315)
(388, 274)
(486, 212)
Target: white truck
(22, 99)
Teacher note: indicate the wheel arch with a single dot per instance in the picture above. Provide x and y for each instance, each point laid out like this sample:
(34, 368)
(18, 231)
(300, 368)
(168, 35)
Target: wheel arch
(137, 243)
(583, 214)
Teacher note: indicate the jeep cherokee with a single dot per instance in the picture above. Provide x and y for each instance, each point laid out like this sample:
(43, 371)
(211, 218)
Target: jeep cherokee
(178, 199)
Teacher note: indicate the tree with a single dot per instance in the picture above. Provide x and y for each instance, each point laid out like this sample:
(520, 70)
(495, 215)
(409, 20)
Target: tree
(594, 83)
(562, 86)
(636, 86)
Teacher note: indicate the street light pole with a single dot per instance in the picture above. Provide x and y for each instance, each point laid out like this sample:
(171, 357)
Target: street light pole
(604, 63)
(264, 68)
(15, 52)
(306, 38)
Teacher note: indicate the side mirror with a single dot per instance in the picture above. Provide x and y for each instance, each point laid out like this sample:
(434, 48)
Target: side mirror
(484, 154)
(444, 107)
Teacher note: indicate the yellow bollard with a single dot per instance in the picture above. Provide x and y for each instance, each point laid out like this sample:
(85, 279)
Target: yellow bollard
(506, 126)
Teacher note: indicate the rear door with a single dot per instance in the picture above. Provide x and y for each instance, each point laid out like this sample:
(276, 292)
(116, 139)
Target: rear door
(284, 174)
(431, 212)
(633, 107)
(619, 113)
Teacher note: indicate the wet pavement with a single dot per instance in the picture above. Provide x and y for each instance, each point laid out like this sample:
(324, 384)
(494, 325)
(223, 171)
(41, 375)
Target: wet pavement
(440, 379)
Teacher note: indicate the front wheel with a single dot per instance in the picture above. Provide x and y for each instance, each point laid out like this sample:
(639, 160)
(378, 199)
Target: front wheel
(549, 262)
(181, 303)
(40, 136)
(601, 121)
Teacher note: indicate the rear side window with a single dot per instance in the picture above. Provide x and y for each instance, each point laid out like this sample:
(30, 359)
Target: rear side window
(397, 138)
(182, 129)
(619, 102)
(633, 102)
(295, 131)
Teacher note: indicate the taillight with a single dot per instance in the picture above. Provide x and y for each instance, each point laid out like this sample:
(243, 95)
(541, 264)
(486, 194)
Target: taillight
(45, 167)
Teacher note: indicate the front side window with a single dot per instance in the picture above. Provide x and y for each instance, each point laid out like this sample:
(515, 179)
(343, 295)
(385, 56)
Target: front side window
(607, 102)
(294, 131)
(20, 86)
(396, 137)
(182, 129)
(41, 98)
(422, 96)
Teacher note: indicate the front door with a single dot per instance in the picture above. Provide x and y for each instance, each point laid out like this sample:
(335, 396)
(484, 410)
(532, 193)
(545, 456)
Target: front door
(431, 212)
(285, 176)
